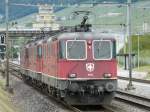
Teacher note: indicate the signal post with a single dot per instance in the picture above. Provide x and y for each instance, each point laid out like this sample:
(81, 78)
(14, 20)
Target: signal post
(7, 45)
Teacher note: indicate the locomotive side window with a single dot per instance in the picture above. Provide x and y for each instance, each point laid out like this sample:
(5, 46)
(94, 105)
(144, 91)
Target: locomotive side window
(39, 51)
(114, 49)
(102, 49)
(62, 49)
(76, 50)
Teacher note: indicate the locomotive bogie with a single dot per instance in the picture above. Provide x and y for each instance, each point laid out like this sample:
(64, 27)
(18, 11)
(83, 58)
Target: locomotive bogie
(87, 99)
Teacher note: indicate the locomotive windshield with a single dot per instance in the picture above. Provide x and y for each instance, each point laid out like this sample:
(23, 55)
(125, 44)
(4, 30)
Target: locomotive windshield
(76, 49)
(102, 49)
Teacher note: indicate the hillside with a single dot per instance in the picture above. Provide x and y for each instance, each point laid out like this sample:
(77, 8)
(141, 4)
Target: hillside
(109, 17)
(20, 11)
(102, 18)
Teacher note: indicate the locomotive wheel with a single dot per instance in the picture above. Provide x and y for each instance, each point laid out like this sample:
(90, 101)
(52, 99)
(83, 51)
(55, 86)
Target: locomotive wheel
(50, 90)
(54, 92)
(58, 94)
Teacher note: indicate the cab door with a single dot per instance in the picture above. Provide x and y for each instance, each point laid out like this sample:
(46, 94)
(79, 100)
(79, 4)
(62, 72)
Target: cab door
(26, 62)
(45, 62)
(34, 58)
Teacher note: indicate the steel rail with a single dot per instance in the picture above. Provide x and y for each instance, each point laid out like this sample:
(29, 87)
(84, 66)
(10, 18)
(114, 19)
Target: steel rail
(135, 79)
(132, 99)
(14, 72)
(93, 108)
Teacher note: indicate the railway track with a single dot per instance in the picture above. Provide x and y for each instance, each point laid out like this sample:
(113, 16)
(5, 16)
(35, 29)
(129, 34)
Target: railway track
(15, 70)
(132, 99)
(95, 108)
(121, 96)
(135, 80)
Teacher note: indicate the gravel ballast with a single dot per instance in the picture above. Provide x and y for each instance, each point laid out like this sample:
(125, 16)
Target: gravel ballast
(30, 100)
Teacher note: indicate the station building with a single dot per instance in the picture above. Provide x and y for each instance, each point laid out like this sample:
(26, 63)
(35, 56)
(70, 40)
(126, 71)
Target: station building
(45, 18)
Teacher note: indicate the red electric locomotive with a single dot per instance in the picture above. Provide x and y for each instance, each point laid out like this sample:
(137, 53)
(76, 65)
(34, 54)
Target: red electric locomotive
(78, 67)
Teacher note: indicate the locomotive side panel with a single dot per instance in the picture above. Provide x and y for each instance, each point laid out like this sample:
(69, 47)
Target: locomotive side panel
(49, 59)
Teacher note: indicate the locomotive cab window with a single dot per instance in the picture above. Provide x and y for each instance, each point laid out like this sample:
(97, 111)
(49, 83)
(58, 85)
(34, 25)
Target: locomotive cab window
(39, 51)
(114, 49)
(102, 49)
(76, 50)
(62, 49)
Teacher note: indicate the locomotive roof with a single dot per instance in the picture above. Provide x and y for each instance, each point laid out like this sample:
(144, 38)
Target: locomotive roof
(86, 35)
(75, 35)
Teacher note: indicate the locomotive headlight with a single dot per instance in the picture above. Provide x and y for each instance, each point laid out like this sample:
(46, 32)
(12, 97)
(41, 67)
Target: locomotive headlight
(73, 75)
(107, 75)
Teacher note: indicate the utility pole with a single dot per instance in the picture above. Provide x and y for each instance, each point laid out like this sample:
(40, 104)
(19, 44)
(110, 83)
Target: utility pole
(130, 85)
(124, 39)
(7, 44)
(138, 51)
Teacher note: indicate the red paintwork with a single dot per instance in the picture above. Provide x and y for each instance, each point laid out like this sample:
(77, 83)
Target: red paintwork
(79, 68)
(51, 65)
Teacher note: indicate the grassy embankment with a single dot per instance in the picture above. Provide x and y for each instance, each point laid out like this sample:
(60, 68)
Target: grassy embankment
(5, 101)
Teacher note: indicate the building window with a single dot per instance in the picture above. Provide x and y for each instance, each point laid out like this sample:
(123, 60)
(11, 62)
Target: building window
(41, 17)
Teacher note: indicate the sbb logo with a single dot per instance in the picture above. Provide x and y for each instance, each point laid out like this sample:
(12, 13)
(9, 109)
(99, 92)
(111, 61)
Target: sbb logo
(90, 67)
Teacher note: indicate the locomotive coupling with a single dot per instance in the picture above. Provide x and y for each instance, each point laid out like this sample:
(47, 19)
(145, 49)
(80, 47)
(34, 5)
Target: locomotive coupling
(82, 91)
(94, 90)
(100, 90)
(62, 94)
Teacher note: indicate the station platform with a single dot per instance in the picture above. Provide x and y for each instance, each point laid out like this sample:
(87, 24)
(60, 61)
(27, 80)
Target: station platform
(135, 74)
(15, 62)
(141, 89)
